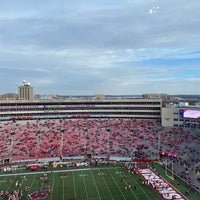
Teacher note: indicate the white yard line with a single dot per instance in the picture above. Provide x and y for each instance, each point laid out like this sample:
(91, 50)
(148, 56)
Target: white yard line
(85, 186)
(107, 186)
(3, 181)
(95, 184)
(142, 189)
(117, 185)
(31, 185)
(52, 186)
(13, 182)
(74, 184)
(132, 191)
(63, 190)
(55, 171)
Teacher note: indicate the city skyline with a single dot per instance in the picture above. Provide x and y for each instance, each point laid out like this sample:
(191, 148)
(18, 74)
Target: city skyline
(100, 47)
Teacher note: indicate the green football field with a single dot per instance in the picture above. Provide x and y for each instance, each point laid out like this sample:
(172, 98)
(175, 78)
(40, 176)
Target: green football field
(98, 183)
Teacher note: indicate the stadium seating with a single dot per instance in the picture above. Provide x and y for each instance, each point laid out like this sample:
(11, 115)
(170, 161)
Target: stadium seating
(122, 137)
(64, 138)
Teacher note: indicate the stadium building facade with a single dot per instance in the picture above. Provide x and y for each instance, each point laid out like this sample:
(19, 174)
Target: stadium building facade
(98, 107)
(100, 127)
(81, 108)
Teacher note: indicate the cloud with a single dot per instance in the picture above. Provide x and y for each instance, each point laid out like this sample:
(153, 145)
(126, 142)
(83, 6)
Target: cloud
(88, 47)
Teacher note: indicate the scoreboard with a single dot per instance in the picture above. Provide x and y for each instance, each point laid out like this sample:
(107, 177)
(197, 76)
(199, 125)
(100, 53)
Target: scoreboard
(194, 114)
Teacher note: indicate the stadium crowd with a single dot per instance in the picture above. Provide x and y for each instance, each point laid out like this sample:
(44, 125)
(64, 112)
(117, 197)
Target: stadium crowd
(66, 138)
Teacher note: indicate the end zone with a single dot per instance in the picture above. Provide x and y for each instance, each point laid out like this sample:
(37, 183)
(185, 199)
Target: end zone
(159, 184)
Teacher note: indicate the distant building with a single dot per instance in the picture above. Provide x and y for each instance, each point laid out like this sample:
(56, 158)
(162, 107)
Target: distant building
(183, 104)
(99, 96)
(197, 104)
(9, 96)
(155, 96)
(25, 91)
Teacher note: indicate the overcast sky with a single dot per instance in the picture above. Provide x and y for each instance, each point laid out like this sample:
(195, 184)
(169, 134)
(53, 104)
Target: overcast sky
(86, 47)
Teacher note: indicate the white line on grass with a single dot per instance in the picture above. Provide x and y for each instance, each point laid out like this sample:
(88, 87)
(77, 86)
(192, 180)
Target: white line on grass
(63, 190)
(55, 171)
(13, 181)
(52, 186)
(85, 186)
(117, 184)
(74, 184)
(132, 190)
(4, 180)
(31, 185)
(106, 186)
(142, 190)
(95, 184)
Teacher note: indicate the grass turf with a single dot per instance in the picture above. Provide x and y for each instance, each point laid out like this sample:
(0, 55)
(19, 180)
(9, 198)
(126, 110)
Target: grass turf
(98, 183)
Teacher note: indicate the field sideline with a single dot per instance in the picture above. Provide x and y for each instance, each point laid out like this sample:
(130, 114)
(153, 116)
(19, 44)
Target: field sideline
(98, 183)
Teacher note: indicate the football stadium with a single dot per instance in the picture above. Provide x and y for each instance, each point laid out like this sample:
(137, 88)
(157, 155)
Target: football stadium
(114, 109)
(103, 147)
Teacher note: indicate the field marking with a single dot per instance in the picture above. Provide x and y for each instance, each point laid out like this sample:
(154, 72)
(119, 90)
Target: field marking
(142, 189)
(55, 171)
(74, 184)
(82, 175)
(131, 190)
(63, 189)
(52, 186)
(23, 181)
(3, 181)
(85, 186)
(13, 182)
(101, 174)
(31, 185)
(118, 172)
(95, 184)
(107, 186)
(43, 181)
(117, 185)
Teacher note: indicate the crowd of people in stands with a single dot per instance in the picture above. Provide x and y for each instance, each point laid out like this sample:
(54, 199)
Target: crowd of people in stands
(61, 138)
